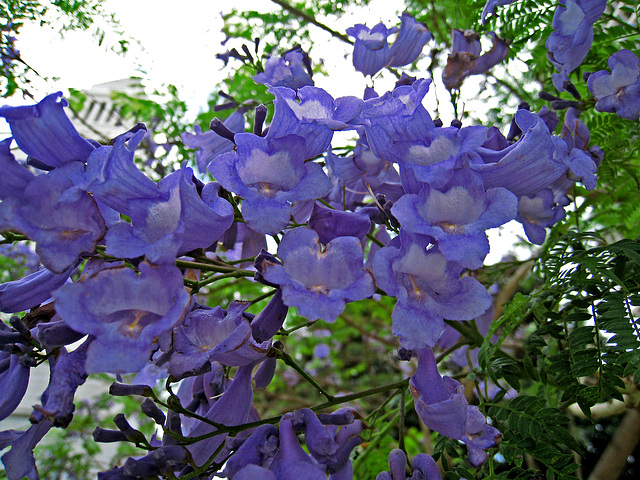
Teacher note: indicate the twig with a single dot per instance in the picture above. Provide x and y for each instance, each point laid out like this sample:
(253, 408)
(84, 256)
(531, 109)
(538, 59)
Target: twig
(286, 358)
(507, 292)
(312, 20)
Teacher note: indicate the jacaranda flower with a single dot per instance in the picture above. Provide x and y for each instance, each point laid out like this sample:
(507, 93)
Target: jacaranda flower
(428, 288)
(269, 174)
(618, 91)
(569, 44)
(126, 313)
(442, 406)
(319, 280)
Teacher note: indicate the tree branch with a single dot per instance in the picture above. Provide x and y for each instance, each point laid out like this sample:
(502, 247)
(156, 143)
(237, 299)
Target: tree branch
(622, 444)
(308, 18)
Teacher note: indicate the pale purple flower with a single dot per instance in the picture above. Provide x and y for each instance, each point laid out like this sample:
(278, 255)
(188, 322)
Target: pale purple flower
(371, 48)
(288, 71)
(210, 144)
(63, 220)
(269, 174)
(569, 44)
(316, 280)
(428, 287)
(618, 91)
(44, 132)
(457, 215)
(126, 313)
(162, 229)
(213, 334)
(442, 406)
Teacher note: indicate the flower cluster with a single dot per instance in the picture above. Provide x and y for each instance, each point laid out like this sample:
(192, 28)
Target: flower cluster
(405, 215)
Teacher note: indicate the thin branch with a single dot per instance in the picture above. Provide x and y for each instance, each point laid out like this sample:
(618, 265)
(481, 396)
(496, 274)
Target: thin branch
(286, 358)
(308, 18)
(510, 288)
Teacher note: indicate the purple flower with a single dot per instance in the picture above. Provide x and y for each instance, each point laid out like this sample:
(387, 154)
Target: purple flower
(67, 374)
(19, 462)
(288, 71)
(208, 335)
(577, 135)
(313, 114)
(210, 144)
(457, 215)
(351, 175)
(329, 223)
(490, 6)
(319, 281)
(537, 212)
(15, 177)
(292, 462)
(433, 158)
(411, 38)
(63, 220)
(424, 467)
(125, 313)
(396, 116)
(14, 378)
(535, 161)
(442, 406)
(269, 174)
(232, 408)
(32, 290)
(371, 49)
(428, 288)
(44, 132)
(113, 178)
(569, 44)
(162, 230)
(260, 447)
(618, 91)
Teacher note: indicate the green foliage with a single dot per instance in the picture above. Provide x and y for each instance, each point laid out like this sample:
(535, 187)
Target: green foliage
(65, 15)
(163, 112)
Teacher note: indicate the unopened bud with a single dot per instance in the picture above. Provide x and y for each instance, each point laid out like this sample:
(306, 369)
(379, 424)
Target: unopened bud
(221, 129)
(123, 390)
(261, 115)
(570, 87)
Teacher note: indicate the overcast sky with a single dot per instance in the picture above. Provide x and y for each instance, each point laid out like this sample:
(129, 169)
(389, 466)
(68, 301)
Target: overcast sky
(174, 45)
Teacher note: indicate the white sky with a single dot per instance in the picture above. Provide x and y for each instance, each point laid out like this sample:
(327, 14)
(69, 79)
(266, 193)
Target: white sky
(174, 45)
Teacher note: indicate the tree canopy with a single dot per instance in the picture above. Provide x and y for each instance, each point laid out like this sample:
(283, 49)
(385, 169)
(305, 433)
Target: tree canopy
(295, 283)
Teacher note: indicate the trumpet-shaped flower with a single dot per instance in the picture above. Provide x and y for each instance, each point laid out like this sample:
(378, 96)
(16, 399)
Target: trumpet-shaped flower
(125, 313)
(288, 71)
(442, 406)
(428, 288)
(457, 215)
(319, 280)
(569, 44)
(44, 132)
(163, 229)
(618, 91)
(269, 174)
